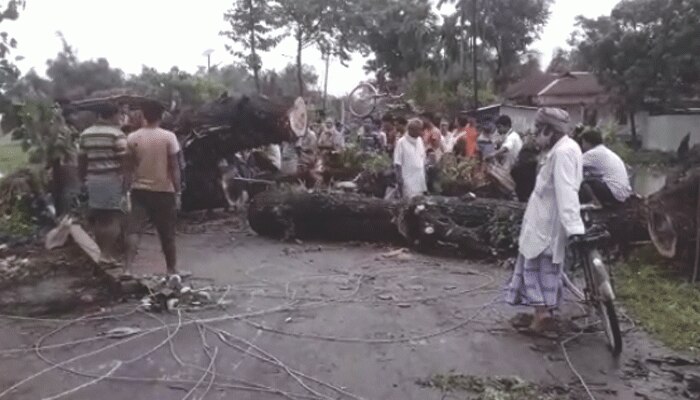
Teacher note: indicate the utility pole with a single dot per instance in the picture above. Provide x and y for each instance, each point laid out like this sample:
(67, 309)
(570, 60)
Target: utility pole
(207, 54)
(325, 83)
(462, 52)
(475, 70)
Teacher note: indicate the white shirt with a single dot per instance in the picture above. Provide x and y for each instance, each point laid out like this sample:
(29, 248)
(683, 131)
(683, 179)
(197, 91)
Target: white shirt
(553, 212)
(409, 154)
(601, 162)
(514, 144)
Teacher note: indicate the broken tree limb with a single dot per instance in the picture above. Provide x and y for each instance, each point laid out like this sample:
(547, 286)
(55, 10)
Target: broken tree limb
(473, 227)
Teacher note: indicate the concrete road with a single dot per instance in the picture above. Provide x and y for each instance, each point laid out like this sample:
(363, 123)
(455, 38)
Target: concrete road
(313, 321)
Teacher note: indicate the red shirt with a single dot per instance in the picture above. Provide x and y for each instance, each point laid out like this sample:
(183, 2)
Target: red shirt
(471, 141)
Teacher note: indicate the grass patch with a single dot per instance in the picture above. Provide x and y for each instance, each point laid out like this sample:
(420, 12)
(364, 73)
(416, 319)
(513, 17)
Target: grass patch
(663, 302)
(11, 156)
(493, 388)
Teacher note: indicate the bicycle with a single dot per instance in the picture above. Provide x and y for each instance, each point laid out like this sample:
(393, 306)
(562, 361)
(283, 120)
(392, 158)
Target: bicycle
(363, 99)
(598, 291)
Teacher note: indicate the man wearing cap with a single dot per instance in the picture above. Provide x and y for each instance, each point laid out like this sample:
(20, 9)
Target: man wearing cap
(551, 218)
(155, 189)
(102, 170)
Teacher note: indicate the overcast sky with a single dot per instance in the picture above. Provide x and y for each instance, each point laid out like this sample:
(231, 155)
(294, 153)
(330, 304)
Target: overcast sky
(163, 33)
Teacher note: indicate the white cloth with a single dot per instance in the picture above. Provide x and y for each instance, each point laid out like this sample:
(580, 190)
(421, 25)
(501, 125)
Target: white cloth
(450, 140)
(553, 212)
(273, 152)
(383, 139)
(514, 144)
(409, 154)
(601, 162)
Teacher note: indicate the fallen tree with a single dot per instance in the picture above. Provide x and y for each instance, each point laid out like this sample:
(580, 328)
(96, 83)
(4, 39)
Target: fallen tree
(474, 227)
(222, 128)
(672, 217)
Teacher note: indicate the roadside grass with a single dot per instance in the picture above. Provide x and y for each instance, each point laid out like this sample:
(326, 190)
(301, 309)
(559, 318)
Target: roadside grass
(660, 299)
(11, 156)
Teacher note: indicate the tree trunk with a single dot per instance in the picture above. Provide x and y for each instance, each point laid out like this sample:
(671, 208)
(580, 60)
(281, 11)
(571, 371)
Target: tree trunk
(290, 214)
(300, 72)
(253, 48)
(256, 77)
(472, 227)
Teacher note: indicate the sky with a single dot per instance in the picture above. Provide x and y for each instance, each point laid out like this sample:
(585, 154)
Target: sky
(164, 33)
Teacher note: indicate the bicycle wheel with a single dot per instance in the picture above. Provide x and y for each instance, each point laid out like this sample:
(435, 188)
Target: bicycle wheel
(611, 325)
(362, 100)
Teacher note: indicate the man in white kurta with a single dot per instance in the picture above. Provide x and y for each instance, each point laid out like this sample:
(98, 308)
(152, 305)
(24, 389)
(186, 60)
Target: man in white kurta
(552, 217)
(409, 161)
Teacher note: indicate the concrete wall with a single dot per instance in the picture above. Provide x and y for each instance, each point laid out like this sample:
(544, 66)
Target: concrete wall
(665, 132)
(523, 117)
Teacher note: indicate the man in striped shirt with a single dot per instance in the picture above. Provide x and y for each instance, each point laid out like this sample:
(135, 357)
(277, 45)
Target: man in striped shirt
(101, 163)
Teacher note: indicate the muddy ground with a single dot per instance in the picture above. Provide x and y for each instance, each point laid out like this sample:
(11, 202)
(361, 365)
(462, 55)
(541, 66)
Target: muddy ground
(319, 321)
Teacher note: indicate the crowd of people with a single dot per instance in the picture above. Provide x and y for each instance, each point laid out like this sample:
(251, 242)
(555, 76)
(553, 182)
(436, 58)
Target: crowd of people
(423, 140)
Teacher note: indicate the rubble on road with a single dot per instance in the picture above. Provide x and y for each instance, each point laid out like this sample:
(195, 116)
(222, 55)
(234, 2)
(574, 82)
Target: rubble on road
(167, 293)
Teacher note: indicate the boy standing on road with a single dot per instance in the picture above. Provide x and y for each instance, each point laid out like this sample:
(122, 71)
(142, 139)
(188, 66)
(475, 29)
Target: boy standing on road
(101, 168)
(155, 189)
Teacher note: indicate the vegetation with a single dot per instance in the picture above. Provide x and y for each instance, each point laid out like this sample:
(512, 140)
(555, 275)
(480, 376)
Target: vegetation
(17, 193)
(8, 71)
(646, 51)
(661, 300)
(12, 157)
(493, 388)
(352, 158)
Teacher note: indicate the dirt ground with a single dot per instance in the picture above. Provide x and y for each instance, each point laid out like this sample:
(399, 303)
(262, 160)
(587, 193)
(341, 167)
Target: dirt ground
(317, 321)
(36, 282)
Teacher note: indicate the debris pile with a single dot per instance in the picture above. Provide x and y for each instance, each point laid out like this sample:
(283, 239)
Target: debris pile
(169, 293)
(13, 267)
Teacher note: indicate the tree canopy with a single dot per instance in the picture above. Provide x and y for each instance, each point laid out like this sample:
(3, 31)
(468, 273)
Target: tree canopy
(8, 71)
(645, 51)
(251, 26)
